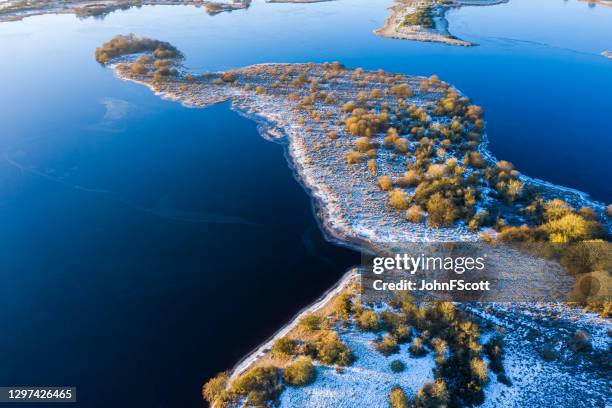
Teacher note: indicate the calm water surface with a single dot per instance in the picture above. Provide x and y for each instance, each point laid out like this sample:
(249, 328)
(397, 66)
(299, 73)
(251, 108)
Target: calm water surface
(145, 246)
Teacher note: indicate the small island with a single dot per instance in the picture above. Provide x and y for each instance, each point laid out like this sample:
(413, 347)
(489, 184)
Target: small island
(419, 20)
(391, 158)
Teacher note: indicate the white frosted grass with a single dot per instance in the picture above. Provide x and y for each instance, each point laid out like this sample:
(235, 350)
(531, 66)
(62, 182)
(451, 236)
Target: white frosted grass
(366, 383)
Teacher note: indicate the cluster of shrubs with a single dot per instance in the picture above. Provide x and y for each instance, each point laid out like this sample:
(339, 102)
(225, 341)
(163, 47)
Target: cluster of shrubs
(329, 349)
(555, 221)
(100, 10)
(447, 173)
(284, 347)
(431, 395)
(139, 67)
(575, 238)
(453, 105)
(364, 124)
(260, 387)
(461, 371)
(440, 191)
(443, 188)
(422, 17)
(300, 372)
(399, 399)
(494, 349)
(392, 140)
(131, 44)
(322, 344)
(163, 68)
(394, 324)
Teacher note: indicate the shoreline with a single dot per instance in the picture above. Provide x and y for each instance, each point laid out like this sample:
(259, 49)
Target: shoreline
(260, 351)
(88, 8)
(335, 225)
(396, 28)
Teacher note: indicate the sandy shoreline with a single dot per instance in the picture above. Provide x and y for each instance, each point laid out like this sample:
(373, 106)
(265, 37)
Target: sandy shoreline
(251, 358)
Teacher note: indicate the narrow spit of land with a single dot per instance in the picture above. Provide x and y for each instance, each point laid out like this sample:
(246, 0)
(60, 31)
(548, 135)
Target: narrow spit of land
(419, 20)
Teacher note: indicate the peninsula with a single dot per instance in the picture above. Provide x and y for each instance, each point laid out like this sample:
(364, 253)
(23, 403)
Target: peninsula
(388, 159)
(424, 20)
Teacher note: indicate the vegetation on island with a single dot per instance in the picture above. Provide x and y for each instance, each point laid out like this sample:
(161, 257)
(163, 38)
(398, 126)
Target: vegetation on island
(130, 44)
(397, 366)
(437, 329)
(422, 17)
(418, 139)
(294, 359)
(300, 372)
(460, 372)
(103, 9)
(398, 398)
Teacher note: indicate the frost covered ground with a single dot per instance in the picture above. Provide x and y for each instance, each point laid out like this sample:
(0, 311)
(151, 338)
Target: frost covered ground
(365, 384)
(573, 379)
(352, 207)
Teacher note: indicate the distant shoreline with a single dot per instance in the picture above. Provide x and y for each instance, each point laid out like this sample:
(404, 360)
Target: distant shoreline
(396, 25)
(19, 9)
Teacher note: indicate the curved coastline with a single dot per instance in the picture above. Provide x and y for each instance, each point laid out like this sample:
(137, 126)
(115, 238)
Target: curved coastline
(251, 358)
(335, 228)
(571, 195)
(437, 31)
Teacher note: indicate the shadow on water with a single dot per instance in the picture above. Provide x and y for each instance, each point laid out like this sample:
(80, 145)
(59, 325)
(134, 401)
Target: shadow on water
(138, 304)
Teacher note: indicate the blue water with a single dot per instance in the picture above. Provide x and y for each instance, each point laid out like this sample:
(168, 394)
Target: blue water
(145, 246)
